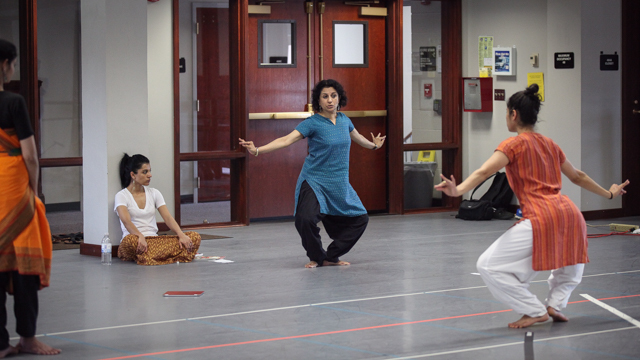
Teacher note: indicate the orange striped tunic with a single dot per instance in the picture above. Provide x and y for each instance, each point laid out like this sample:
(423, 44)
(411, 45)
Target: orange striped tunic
(559, 229)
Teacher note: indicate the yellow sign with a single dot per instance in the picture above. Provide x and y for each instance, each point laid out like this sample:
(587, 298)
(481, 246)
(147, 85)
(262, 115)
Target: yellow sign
(537, 78)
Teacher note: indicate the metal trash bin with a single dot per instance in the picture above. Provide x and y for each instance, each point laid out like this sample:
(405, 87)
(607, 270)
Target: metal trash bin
(418, 184)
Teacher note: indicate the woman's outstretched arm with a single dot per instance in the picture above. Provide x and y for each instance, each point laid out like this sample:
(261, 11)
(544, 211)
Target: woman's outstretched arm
(276, 144)
(375, 143)
(496, 162)
(583, 180)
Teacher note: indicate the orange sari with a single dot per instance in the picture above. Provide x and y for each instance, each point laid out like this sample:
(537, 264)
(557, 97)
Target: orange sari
(25, 237)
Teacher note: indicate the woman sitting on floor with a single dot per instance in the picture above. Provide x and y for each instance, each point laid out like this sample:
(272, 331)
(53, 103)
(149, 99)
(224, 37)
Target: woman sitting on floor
(136, 206)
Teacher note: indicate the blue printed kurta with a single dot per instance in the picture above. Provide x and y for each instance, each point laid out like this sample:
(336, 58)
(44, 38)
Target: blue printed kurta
(326, 168)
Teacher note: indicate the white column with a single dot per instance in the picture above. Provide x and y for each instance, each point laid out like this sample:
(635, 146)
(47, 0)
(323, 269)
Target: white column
(114, 104)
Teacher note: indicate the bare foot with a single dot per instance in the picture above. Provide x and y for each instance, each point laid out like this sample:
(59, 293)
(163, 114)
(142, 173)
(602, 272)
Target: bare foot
(32, 345)
(8, 351)
(339, 263)
(313, 264)
(527, 321)
(556, 315)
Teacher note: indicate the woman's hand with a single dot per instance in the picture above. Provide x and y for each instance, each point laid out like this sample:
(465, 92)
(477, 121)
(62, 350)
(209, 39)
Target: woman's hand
(185, 242)
(142, 245)
(378, 140)
(617, 190)
(249, 146)
(448, 186)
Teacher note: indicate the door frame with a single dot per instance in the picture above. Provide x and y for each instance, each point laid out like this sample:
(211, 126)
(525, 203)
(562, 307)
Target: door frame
(238, 11)
(194, 85)
(451, 145)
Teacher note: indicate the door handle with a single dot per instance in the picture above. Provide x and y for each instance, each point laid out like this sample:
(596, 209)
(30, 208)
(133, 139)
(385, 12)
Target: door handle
(636, 111)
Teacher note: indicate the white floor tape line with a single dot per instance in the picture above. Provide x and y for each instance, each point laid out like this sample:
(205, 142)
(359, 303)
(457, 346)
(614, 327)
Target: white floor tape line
(612, 309)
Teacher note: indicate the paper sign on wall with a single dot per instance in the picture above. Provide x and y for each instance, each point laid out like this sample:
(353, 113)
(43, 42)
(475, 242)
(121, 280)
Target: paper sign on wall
(485, 55)
(537, 78)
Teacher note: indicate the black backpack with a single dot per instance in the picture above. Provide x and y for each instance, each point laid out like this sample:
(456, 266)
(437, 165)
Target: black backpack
(500, 193)
(491, 204)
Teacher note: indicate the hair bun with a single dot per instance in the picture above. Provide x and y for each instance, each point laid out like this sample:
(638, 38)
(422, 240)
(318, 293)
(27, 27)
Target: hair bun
(532, 90)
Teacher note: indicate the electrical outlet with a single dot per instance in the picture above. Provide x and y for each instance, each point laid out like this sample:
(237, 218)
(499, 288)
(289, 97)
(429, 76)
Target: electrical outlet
(499, 95)
(622, 227)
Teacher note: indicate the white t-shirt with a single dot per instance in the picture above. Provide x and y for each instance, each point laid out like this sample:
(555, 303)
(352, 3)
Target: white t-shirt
(143, 219)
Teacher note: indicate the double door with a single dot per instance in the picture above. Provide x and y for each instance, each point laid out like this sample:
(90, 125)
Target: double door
(326, 40)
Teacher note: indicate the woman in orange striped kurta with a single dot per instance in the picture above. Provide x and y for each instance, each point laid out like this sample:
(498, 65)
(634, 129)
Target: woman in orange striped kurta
(25, 238)
(552, 234)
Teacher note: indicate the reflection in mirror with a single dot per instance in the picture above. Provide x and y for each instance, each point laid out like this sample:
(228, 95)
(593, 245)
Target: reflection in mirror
(276, 43)
(350, 44)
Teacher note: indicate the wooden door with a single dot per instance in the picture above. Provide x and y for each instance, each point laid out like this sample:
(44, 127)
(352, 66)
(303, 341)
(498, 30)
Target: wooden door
(272, 177)
(366, 89)
(631, 105)
(213, 97)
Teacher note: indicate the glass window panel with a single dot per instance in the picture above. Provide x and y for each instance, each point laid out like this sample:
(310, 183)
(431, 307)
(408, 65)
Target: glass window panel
(425, 122)
(422, 171)
(62, 196)
(350, 44)
(59, 78)
(278, 42)
(205, 192)
(205, 109)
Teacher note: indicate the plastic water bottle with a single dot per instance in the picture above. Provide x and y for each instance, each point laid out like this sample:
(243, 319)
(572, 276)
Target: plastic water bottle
(106, 250)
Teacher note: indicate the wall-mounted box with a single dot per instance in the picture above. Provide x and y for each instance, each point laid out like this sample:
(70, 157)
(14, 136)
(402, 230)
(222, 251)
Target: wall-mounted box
(477, 94)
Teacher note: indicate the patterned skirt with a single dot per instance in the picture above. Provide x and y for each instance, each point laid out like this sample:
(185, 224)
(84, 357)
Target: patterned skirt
(161, 250)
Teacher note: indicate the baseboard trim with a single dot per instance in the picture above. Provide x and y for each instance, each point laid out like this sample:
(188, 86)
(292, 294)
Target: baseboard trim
(603, 214)
(67, 206)
(96, 250)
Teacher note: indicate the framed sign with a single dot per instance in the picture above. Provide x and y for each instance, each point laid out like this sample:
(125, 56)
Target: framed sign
(563, 60)
(609, 62)
(428, 58)
(504, 61)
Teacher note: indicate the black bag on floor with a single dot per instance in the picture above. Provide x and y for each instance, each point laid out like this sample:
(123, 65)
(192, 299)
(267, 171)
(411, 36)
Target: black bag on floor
(475, 210)
(499, 195)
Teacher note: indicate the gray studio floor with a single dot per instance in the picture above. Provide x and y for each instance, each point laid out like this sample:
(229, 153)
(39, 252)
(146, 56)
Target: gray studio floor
(410, 293)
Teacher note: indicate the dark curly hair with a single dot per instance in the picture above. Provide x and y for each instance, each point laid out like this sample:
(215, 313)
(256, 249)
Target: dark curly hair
(317, 90)
(527, 104)
(7, 51)
(129, 164)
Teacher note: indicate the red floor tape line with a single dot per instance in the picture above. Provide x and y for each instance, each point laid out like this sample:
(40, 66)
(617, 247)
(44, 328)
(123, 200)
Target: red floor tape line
(333, 332)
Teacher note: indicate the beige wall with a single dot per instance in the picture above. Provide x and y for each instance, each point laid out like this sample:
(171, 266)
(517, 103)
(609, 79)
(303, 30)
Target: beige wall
(546, 27)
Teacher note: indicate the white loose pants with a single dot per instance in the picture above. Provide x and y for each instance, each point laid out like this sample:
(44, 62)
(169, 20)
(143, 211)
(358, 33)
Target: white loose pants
(506, 268)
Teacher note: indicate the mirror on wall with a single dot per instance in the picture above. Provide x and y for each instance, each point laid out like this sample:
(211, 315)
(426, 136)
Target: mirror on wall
(276, 43)
(350, 44)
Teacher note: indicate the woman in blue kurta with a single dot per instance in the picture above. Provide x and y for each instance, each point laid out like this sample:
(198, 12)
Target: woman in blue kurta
(323, 192)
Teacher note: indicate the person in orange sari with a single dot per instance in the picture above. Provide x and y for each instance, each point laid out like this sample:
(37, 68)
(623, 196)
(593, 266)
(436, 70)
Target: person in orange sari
(25, 238)
(552, 234)
(136, 206)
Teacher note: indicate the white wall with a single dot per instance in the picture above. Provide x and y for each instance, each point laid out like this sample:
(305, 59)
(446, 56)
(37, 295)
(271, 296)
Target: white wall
(114, 104)
(546, 27)
(160, 98)
(601, 99)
